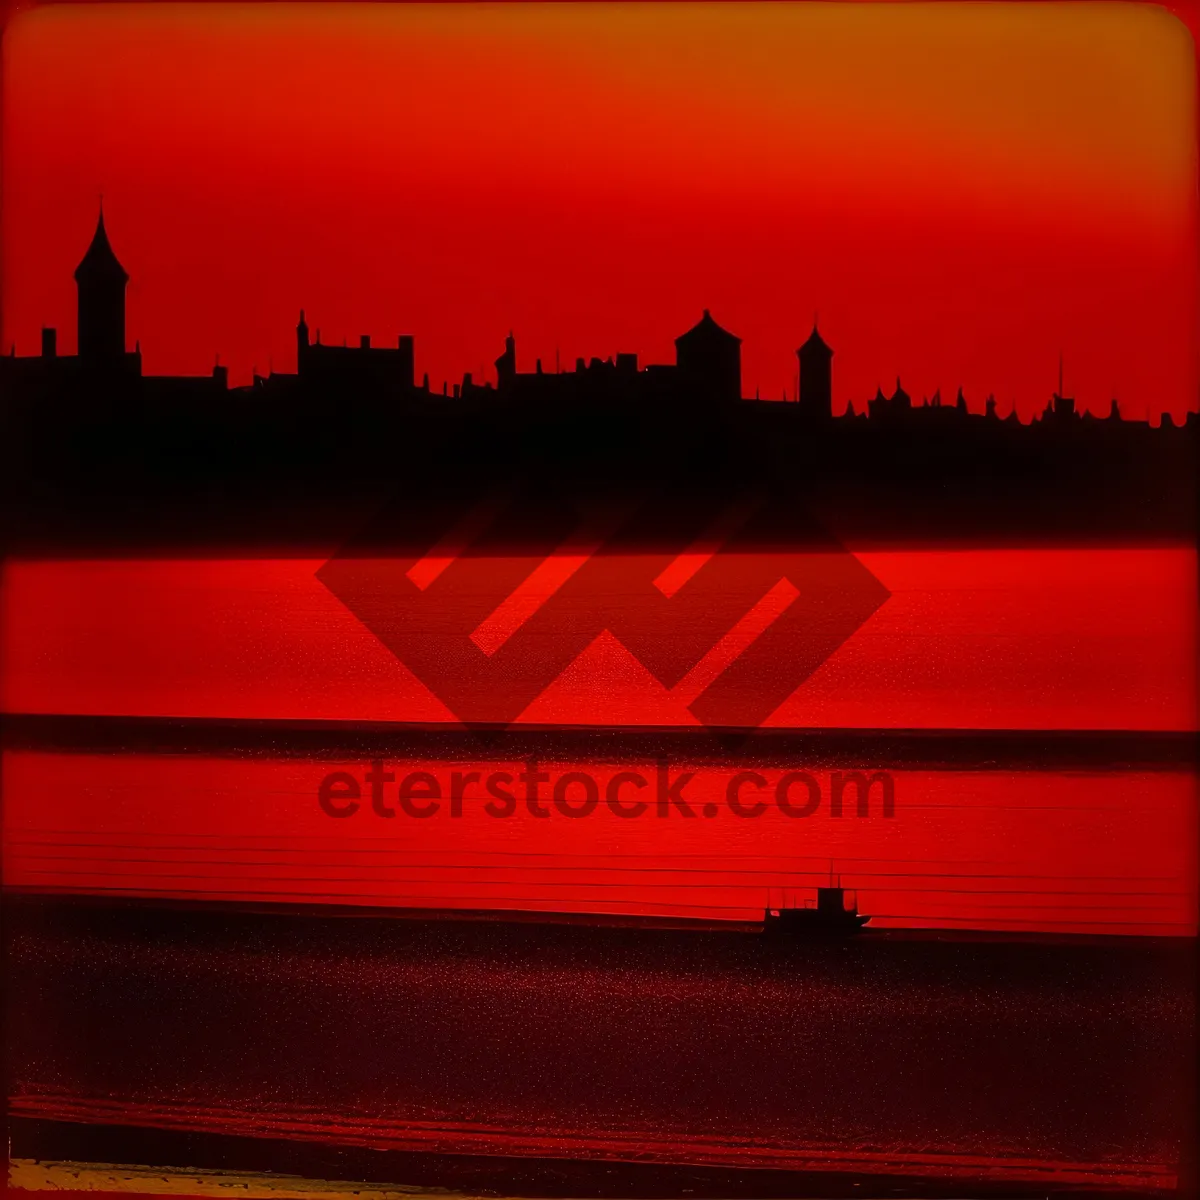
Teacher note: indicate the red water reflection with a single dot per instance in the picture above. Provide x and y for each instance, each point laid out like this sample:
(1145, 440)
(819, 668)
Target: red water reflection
(987, 639)
(1019, 850)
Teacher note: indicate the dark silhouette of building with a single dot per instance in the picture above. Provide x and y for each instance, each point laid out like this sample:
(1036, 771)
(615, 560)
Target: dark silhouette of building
(709, 360)
(894, 408)
(816, 378)
(360, 407)
(506, 364)
(706, 375)
(361, 368)
(101, 358)
(101, 281)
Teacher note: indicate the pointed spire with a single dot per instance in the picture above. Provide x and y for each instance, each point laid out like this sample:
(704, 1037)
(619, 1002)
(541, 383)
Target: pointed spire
(815, 342)
(100, 263)
(707, 330)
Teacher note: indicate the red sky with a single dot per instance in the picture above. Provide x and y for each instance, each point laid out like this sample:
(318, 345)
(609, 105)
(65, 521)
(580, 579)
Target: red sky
(961, 191)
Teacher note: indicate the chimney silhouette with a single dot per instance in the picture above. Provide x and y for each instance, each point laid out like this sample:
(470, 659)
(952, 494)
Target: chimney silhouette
(506, 364)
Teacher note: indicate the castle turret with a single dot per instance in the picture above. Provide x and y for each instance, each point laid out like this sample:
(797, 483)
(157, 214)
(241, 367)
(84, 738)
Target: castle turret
(710, 361)
(816, 377)
(101, 280)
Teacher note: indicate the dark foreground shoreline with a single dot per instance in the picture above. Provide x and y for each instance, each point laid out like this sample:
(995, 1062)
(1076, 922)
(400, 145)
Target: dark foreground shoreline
(536, 1178)
(543, 1057)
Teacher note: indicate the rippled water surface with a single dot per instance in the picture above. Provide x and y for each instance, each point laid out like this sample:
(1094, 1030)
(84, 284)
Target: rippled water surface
(890, 1052)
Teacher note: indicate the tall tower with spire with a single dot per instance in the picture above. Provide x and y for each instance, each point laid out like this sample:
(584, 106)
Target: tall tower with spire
(301, 343)
(100, 280)
(816, 377)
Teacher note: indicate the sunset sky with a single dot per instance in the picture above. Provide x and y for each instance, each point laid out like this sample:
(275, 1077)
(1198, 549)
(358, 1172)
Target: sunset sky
(961, 191)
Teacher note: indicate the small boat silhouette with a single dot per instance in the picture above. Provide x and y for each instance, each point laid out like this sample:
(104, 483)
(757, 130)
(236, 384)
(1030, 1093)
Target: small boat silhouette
(830, 917)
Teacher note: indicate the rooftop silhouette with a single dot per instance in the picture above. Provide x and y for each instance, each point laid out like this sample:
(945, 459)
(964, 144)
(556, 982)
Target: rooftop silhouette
(80, 414)
(707, 368)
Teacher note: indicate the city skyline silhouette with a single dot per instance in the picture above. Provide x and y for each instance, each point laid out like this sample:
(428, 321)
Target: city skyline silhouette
(707, 367)
(96, 423)
(958, 225)
(508, 504)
